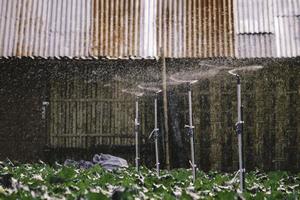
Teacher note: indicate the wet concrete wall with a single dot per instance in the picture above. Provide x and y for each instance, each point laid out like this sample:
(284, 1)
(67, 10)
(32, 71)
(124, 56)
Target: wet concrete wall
(270, 98)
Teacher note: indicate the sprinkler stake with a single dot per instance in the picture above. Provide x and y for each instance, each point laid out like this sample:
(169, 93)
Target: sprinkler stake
(239, 131)
(155, 134)
(136, 124)
(191, 133)
(136, 129)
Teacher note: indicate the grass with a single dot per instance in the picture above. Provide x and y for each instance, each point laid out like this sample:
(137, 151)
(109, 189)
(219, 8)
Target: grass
(41, 181)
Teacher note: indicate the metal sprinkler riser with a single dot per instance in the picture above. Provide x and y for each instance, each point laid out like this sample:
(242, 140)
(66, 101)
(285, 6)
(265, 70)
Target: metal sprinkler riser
(239, 131)
(191, 132)
(155, 134)
(136, 125)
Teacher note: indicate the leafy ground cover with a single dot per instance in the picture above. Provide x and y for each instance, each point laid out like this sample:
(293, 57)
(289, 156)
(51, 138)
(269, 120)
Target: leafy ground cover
(41, 181)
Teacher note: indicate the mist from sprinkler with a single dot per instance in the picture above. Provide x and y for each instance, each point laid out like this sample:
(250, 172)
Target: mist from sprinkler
(133, 92)
(245, 69)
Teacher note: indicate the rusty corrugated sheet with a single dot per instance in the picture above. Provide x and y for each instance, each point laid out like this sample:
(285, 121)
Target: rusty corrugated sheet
(184, 28)
(122, 28)
(268, 28)
(195, 28)
(117, 28)
(48, 28)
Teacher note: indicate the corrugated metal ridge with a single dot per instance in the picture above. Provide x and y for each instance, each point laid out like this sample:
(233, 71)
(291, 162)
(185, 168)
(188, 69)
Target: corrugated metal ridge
(80, 58)
(256, 33)
(276, 18)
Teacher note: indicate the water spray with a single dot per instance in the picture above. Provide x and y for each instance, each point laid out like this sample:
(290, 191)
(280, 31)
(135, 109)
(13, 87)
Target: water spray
(155, 132)
(136, 127)
(240, 122)
(190, 126)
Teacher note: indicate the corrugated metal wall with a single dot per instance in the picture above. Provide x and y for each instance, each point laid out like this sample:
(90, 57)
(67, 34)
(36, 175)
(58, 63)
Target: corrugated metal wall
(195, 28)
(45, 28)
(287, 27)
(117, 28)
(122, 28)
(198, 28)
(267, 28)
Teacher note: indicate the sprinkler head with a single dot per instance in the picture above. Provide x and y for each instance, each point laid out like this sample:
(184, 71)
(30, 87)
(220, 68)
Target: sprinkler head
(246, 68)
(190, 82)
(193, 82)
(232, 72)
(156, 90)
(132, 92)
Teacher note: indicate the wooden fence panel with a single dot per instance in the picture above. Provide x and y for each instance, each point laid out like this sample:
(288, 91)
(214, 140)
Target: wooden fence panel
(84, 114)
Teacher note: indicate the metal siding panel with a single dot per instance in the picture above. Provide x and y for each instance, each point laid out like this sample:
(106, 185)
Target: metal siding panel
(28, 24)
(111, 27)
(64, 32)
(37, 28)
(272, 31)
(121, 28)
(77, 28)
(42, 41)
(170, 33)
(89, 28)
(33, 22)
(7, 29)
(118, 28)
(12, 29)
(81, 31)
(297, 31)
(57, 29)
(2, 24)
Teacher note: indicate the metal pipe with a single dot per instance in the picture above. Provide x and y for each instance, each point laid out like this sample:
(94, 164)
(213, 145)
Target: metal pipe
(239, 126)
(136, 123)
(155, 131)
(239, 130)
(156, 135)
(137, 94)
(191, 133)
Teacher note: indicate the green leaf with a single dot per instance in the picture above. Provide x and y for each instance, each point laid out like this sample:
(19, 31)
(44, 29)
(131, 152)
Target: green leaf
(95, 196)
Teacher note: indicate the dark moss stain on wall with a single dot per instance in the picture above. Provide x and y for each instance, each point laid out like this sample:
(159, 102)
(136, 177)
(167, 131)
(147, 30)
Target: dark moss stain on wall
(270, 99)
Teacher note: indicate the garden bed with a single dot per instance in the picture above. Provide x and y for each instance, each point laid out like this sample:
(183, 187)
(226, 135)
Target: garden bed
(41, 181)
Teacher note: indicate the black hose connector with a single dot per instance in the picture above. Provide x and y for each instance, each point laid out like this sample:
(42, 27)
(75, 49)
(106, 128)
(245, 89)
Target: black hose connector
(189, 86)
(238, 79)
(239, 127)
